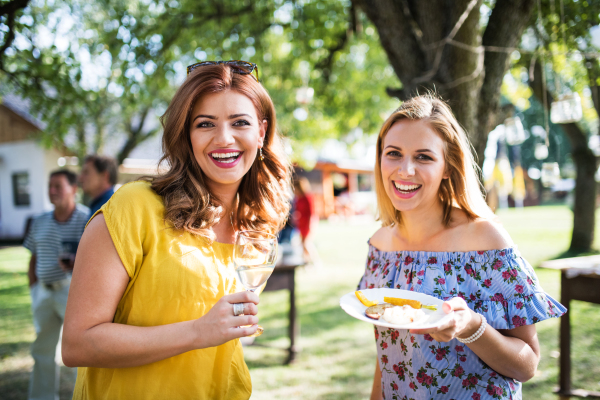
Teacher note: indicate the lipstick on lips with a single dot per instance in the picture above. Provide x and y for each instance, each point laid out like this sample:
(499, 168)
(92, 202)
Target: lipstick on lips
(226, 158)
(406, 190)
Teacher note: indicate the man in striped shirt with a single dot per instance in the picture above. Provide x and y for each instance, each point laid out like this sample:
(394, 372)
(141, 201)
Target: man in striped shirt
(52, 240)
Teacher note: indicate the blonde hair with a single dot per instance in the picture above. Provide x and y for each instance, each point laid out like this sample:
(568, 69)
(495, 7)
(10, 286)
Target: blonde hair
(263, 201)
(462, 189)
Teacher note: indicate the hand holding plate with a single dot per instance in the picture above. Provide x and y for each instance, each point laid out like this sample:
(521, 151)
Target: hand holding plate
(460, 325)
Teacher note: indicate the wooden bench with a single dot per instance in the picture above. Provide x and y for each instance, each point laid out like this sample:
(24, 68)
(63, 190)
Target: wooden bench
(283, 278)
(579, 280)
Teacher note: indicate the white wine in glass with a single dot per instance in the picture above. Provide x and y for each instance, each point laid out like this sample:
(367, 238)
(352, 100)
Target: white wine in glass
(254, 257)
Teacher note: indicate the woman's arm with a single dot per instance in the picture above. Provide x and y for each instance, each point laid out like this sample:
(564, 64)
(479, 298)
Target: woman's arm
(514, 353)
(376, 391)
(91, 338)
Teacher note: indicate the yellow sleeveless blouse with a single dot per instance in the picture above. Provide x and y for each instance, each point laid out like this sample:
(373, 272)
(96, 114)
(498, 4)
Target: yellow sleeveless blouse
(173, 277)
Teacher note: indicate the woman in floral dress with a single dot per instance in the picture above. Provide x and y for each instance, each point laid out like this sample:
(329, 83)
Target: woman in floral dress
(438, 237)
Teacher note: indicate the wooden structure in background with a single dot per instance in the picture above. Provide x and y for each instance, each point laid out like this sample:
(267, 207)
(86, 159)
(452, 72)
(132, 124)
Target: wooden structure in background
(579, 280)
(15, 128)
(283, 278)
(321, 179)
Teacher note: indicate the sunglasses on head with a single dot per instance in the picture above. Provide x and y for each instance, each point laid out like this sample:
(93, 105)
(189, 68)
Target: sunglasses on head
(238, 66)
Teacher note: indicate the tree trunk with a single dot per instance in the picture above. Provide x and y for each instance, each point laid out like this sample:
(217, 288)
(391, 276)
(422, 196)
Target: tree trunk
(584, 209)
(135, 136)
(504, 29)
(435, 45)
(81, 144)
(412, 34)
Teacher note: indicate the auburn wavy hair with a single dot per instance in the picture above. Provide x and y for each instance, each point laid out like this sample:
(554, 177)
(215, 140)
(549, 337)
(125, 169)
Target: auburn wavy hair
(462, 189)
(263, 199)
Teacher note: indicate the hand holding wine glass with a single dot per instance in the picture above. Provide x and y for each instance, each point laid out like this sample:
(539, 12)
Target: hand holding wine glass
(254, 257)
(220, 325)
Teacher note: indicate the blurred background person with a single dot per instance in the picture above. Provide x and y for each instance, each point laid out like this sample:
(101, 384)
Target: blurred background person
(284, 238)
(52, 240)
(98, 177)
(305, 218)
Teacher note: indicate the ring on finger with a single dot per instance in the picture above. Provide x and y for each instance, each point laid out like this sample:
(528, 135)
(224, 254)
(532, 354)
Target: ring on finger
(238, 309)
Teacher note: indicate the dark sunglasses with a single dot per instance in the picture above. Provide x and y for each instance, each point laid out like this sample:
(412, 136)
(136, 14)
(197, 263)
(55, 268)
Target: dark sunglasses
(238, 66)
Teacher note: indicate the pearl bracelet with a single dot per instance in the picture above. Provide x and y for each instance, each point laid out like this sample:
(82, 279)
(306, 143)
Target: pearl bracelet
(477, 334)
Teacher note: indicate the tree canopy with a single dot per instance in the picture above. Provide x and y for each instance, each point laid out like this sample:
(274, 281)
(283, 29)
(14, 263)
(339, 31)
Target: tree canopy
(103, 71)
(100, 73)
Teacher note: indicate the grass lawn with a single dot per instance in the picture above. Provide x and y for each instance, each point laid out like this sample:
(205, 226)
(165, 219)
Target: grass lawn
(338, 352)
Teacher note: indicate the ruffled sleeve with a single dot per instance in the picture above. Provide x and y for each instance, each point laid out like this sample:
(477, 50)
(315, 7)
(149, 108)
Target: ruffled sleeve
(510, 295)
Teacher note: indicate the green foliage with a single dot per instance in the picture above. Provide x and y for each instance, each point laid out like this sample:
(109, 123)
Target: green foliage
(125, 59)
(563, 43)
(100, 73)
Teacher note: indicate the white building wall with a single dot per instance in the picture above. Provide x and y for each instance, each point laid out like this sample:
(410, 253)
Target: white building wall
(24, 156)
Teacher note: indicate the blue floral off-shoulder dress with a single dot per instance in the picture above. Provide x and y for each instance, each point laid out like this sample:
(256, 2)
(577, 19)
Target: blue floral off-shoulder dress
(499, 284)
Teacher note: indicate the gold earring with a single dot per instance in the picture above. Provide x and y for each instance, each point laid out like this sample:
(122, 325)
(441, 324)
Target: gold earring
(260, 154)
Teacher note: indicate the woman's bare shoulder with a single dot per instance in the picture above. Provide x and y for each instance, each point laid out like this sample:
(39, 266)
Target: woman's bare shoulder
(383, 239)
(485, 234)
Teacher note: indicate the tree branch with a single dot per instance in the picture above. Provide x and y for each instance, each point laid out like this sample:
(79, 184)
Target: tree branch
(179, 24)
(433, 70)
(12, 7)
(99, 136)
(504, 29)
(135, 135)
(414, 26)
(9, 10)
(81, 145)
(400, 94)
(593, 76)
(397, 39)
(10, 36)
(325, 64)
(355, 24)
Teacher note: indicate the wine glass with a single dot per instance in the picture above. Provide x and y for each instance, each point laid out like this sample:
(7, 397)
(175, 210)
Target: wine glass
(66, 256)
(254, 257)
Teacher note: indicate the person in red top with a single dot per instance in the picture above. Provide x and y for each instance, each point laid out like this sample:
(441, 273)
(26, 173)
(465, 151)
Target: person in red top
(305, 218)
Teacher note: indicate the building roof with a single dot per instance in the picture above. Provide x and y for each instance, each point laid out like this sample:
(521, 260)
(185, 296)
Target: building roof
(345, 166)
(21, 107)
(13, 127)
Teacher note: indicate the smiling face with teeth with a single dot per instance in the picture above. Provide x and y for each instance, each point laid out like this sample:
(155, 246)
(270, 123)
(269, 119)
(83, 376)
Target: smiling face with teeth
(226, 134)
(413, 165)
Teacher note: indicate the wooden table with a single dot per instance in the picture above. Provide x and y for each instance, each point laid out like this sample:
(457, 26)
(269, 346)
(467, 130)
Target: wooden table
(283, 277)
(579, 280)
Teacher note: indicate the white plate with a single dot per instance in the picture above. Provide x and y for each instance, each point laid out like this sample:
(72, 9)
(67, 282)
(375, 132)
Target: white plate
(356, 309)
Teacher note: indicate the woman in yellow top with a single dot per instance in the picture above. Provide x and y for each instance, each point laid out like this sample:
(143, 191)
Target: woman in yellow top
(150, 313)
